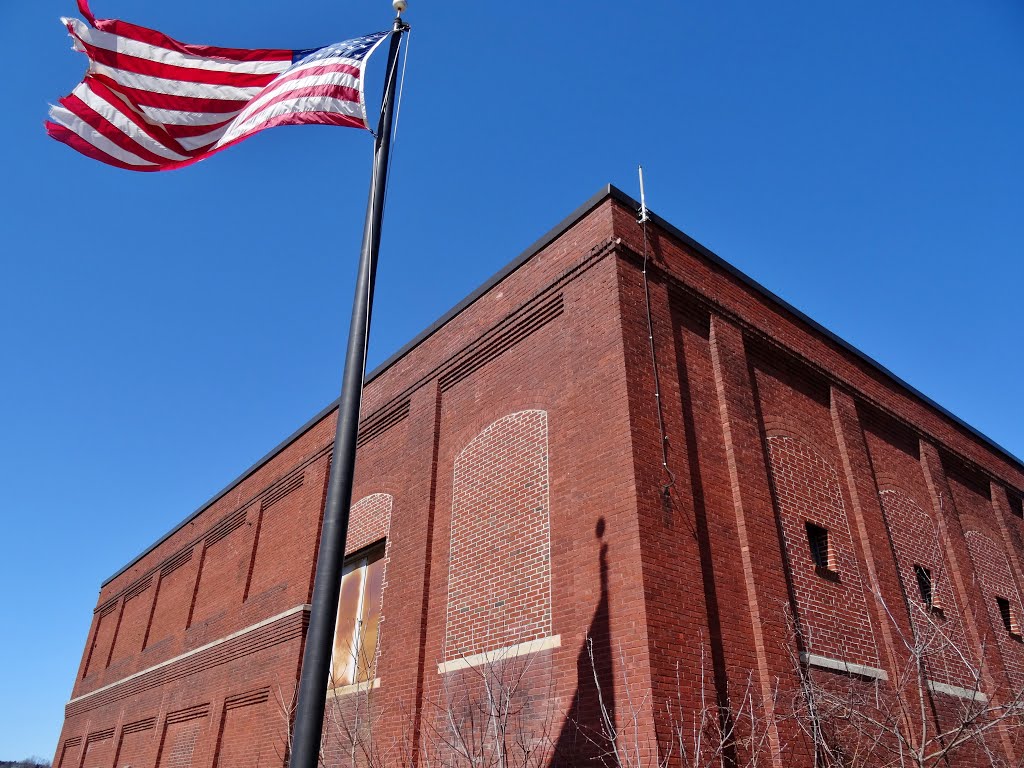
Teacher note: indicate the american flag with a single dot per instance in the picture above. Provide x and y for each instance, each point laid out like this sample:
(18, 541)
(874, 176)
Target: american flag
(150, 103)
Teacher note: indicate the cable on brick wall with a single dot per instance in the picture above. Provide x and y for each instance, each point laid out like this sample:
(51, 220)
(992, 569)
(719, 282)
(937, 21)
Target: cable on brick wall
(666, 489)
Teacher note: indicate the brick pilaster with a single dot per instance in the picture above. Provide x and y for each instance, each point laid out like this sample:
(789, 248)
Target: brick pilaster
(755, 517)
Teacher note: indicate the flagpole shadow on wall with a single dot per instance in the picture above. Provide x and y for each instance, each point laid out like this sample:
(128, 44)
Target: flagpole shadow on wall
(583, 737)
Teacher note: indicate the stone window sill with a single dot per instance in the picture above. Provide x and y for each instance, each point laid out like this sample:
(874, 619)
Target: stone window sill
(363, 687)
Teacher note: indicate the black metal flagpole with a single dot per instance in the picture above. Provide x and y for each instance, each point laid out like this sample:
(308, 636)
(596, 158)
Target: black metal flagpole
(316, 656)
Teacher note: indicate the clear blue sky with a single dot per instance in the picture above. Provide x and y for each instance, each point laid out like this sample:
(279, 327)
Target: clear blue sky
(160, 332)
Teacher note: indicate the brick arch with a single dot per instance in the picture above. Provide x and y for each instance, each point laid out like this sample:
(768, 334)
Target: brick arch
(996, 580)
(915, 541)
(369, 521)
(499, 573)
(832, 613)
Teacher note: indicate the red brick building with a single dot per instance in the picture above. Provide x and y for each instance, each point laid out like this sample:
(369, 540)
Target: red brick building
(512, 509)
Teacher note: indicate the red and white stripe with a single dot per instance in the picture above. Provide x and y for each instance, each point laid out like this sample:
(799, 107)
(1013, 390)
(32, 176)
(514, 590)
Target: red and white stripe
(150, 103)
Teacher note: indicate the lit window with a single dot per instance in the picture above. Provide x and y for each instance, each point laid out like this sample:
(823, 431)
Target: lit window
(359, 609)
(1009, 619)
(817, 539)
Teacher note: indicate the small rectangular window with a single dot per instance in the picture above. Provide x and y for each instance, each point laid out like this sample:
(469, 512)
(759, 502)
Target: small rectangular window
(821, 553)
(1009, 619)
(1016, 506)
(924, 584)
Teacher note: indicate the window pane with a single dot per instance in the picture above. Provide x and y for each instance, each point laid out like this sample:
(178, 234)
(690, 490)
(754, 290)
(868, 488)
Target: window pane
(345, 632)
(373, 591)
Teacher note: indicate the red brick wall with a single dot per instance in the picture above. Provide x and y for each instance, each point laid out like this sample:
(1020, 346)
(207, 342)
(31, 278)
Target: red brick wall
(916, 541)
(131, 625)
(499, 572)
(223, 566)
(996, 580)
(182, 743)
(250, 732)
(104, 626)
(833, 615)
(515, 457)
(98, 749)
(370, 521)
(277, 556)
(174, 587)
(138, 743)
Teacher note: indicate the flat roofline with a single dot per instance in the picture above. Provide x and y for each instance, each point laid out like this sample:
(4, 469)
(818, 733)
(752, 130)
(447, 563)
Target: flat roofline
(545, 240)
(608, 191)
(746, 279)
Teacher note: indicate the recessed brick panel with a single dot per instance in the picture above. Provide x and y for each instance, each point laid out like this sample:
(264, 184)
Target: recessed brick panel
(222, 576)
(132, 627)
(174, 595)
(832, 613)
(137, 745)
(66, 754)
(916, 541)
(103, 636)
(250, 729)
(182, 738)
(98, 750)
(499, 578)
(279, 554)
(994, 571)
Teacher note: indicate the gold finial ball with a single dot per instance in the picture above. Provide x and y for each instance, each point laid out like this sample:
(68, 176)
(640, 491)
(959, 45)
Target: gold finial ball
(399, 5)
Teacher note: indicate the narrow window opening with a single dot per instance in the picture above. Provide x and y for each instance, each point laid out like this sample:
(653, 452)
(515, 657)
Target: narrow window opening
(359, 614)
(1016, 506)
(1009, 617)
(821, 551)
(926, 586)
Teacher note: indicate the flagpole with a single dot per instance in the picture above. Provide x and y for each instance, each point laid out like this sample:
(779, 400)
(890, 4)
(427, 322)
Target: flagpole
(316, 655)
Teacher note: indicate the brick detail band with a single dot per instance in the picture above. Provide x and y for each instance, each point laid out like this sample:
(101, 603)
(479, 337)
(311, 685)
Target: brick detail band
(505, 339)
(277, 629)
(139, 726)
(379, 422)
(279, 490)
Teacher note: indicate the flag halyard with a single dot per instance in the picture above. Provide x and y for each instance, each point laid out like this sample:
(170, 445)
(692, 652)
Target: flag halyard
(151, 103)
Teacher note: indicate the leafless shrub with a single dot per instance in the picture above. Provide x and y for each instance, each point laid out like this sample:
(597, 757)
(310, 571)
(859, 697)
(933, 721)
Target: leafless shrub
(909, 717)
(497, 711)
(705, 734)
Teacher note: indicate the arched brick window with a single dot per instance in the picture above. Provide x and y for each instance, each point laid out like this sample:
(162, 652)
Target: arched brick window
(830, 603)
(934, 611)
(1001, 600)
(499, 574)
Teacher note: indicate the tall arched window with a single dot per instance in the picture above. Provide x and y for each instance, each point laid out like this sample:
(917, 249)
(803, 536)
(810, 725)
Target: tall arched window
(828, 590)
(499, 576)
